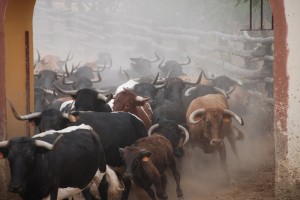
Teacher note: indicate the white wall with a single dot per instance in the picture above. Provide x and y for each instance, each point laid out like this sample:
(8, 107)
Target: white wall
(292, 9)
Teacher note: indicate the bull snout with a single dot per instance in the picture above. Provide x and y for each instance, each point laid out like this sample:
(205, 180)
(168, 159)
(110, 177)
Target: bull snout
(178, 152)
(127, 175)
(15, 187)
(216, 142)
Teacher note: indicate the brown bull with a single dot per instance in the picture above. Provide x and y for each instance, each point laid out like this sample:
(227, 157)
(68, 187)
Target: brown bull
(209, 121)
(146, 160)
(127, 101)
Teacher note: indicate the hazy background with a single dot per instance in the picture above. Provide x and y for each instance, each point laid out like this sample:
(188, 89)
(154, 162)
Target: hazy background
(134, 28)
(209, 31)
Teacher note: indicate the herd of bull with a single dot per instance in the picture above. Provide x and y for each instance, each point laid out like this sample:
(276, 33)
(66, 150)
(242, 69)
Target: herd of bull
(125, 131)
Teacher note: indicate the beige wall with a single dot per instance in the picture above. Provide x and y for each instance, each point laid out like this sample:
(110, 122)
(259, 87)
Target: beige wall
(18, 19)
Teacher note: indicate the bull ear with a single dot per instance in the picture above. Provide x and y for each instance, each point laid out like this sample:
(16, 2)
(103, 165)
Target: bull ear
(3, 153)
(121, 150)
(145, 154)
(226, 118)
(3, 149)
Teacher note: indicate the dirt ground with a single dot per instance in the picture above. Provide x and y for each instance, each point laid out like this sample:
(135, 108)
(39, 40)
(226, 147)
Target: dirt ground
(203, 179)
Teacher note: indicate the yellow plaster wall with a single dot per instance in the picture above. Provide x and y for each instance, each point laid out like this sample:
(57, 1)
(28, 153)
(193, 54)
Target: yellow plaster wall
(18, 19)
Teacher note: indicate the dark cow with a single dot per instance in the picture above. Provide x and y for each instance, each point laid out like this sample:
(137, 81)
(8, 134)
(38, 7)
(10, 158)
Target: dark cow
(127, 101)
(43, 98)
(46, 78)
(89, 99)
(174, 89)
(176, 66)
(194, 92)
(209, 121)
(116, 130)
(223, 82)
(142, 66)
(239, 97)
(146, 161)
(170, 106)
(178, 135)
(44, 163)
(83, 78)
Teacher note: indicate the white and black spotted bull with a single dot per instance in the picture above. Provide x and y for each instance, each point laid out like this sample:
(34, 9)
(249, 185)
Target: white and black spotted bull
(51, 160)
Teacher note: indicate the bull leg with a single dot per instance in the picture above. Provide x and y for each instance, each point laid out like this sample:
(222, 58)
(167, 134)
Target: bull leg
(87, 194)
(176, 176)
(127, 187)
(164, 182)
(232, 143)
(150, 192)
(158, 186)
(53, 194)
(103, 188)
(222, 153)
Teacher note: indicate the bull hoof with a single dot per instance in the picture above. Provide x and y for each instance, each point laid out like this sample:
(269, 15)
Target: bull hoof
(180, 198)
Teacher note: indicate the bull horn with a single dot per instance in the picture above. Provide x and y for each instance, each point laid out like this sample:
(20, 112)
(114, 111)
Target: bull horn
(155, 79)
(66, 69)
(194, 113)
(70, 92)
(221, 91)
(161, 86)
(39, 55)
(206, 77)
(188, 61)
(47, 145)
(159, 66)
(65, 115)
(98, 79)
(68, 57)
(75, 67)
(165, 82)
(103, 91)
(102, 97)
(37, 75)
(235, 116)
(126, 74)
(186, 133)
(111, 62)
(141, 99)
(47, 91)
(196, 83)
(24, 117)
(157, 58)
(231, 90)
(152, 128)
(98, 67)
(189, 91)
(3, 144)
(65, 82)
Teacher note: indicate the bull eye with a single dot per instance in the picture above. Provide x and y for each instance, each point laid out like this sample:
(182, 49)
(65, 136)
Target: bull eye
(208, 124)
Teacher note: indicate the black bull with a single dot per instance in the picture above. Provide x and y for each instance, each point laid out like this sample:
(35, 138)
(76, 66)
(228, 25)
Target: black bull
(41, 165)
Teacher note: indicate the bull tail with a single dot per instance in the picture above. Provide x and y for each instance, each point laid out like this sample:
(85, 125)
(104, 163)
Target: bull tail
(240, 133)
(114, 185)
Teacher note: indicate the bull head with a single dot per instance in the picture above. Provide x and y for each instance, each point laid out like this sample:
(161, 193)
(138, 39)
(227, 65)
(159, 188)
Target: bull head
(212, 120)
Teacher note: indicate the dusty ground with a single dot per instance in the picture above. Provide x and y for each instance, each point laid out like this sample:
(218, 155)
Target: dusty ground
(254, 180)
